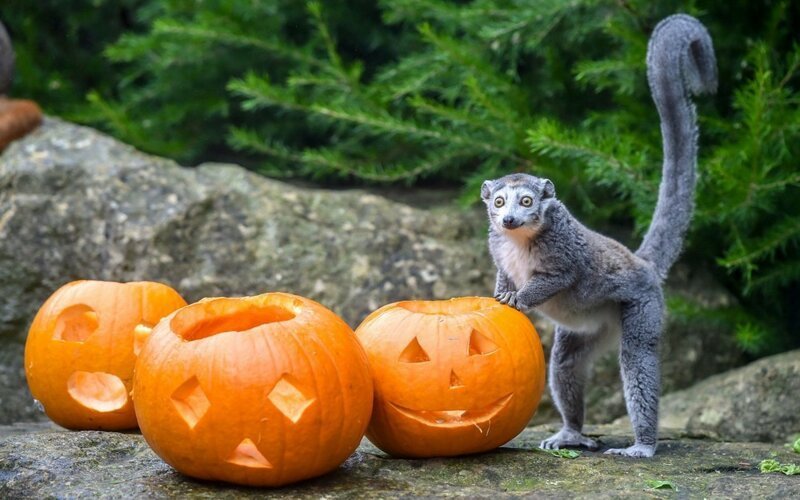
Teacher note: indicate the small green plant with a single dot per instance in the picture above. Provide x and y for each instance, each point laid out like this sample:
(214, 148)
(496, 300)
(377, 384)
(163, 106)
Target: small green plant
(570, 454)
(658, 484)
(796, 445)
(772, 465)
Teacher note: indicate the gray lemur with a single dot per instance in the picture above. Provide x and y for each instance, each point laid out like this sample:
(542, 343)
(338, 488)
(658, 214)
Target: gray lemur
(593, 288)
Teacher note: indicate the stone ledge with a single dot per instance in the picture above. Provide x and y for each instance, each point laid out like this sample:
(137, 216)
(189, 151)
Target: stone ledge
(40, 460)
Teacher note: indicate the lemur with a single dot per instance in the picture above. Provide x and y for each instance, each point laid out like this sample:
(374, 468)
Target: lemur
(594, 288)
(17, 116)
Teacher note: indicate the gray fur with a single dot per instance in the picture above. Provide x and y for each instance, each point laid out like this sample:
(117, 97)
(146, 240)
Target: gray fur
(680, 62)
(597, 291)
(6, 61)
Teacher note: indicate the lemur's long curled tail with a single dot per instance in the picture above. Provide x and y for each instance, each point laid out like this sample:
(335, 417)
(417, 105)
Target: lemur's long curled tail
(680, 63)
(6, 61)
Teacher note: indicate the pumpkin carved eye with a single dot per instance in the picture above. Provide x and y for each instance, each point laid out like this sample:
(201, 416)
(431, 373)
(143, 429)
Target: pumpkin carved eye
(526, 201)
(499, 202)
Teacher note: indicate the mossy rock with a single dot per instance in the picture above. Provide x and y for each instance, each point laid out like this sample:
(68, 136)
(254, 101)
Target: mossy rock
(41, 461)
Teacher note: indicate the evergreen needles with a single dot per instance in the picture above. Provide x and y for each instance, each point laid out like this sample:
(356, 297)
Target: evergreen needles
(407, 91)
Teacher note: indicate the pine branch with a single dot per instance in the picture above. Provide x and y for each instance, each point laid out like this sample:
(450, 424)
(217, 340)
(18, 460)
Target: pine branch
(780, 274)
(777, 237)
(468, 57)
(170, 27)
(332, 161)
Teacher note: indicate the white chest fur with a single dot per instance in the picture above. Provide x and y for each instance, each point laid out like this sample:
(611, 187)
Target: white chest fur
(517, 260)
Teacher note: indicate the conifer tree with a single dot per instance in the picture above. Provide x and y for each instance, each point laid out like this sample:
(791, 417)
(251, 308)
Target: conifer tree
(412, 91)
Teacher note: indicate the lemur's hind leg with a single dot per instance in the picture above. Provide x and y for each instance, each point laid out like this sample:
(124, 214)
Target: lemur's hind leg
(570, 361)
(638, 358)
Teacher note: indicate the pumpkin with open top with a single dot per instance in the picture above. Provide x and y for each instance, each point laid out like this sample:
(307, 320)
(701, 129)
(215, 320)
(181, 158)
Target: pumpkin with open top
(263, 390)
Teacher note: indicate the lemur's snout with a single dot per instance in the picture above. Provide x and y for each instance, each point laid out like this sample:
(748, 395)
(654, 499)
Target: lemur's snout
(509, 222)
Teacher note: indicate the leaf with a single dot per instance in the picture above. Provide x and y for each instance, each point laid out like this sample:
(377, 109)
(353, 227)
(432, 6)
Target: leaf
(657, 484)
(771, 465)
(796, 445)
(569, 454)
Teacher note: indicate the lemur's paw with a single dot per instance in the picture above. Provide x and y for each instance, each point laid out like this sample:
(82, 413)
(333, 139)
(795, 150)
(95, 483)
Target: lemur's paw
(567, 438)
(635, 451)
(508, 298)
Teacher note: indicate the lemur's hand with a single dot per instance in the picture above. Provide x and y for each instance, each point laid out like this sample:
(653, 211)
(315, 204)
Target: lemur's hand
(508, 298)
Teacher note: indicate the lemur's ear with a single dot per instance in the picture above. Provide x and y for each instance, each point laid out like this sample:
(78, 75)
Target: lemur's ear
(549, 189)
(486, 189)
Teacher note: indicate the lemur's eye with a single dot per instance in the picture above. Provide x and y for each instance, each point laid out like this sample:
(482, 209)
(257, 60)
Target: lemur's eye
(526, 201)
(499, 202)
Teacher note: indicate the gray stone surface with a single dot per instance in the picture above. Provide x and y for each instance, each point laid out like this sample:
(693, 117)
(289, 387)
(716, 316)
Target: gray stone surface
(759, 402)
(44, 463)
(75, 203)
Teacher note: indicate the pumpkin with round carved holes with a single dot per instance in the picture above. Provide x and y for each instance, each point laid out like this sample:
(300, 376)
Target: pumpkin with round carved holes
(82, 347)
(451, 377)
(262, 391)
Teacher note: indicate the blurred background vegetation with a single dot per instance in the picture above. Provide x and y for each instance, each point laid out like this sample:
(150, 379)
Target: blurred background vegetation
(448, 93)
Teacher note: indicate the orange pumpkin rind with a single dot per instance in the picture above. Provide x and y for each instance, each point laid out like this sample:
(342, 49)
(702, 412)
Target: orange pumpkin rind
(451, 377)
(262, 391)
(82, 346)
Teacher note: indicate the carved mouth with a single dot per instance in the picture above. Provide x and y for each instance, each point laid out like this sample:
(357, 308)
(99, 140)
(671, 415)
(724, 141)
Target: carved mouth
(456, 418)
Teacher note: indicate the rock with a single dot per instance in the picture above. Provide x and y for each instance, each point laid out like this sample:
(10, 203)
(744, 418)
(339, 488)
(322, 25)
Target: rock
(759, 402)
(57, 463)
(76, 204)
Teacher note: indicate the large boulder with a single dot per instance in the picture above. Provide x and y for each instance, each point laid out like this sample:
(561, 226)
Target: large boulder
(759, 402)
(42, 463)
(77, 204)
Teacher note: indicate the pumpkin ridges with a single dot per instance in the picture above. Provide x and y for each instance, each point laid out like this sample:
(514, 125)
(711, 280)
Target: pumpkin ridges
(283, 423)
(305, 352)
(316, 389)
(107, 349)
(445, 331)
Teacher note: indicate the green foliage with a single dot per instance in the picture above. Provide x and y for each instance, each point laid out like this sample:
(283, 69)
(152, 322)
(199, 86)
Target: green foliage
(415, 91)
(772, 465)
(563, 453)
(796, 445)
(58, 45)
(657, 484)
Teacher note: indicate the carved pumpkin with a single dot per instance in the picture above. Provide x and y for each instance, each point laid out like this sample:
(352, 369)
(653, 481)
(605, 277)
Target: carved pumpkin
(82, 347)
(451, 377)
(263, 390)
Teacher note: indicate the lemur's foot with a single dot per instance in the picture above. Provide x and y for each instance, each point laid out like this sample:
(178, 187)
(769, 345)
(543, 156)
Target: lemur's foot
(635, 451)
(508, 298)
(568, 438)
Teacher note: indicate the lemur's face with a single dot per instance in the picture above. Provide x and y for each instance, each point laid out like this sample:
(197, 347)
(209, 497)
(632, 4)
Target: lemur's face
(517, 202)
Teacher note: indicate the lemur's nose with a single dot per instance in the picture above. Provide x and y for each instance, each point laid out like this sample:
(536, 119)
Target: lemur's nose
(509, 222)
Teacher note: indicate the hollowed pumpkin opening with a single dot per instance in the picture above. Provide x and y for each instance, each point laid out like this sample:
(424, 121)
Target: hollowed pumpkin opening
(99, 391)
(76, 323)
(462, 305)
(205, 319)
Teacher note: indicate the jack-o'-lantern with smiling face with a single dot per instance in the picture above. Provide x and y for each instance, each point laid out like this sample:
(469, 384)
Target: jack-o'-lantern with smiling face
(263, 391)
(451, 377)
